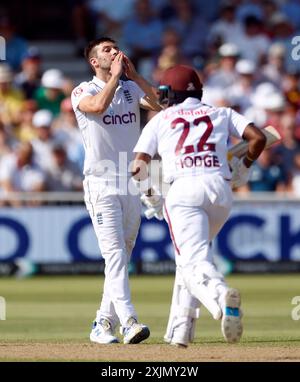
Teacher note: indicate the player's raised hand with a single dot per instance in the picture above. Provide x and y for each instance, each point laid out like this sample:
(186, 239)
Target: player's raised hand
(116, 67)
(129, 68)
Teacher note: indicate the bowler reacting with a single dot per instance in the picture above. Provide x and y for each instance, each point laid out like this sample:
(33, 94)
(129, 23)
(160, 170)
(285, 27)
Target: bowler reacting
(108, 115)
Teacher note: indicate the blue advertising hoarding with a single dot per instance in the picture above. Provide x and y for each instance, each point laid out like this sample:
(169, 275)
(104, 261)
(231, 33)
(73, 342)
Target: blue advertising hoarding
(63, 235)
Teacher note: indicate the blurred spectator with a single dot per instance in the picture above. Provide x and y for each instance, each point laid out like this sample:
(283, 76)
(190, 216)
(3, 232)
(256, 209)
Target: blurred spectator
(267, 105)
(63, 175)
(66, 128)
(291, 9)
(253, 44)
(283, 32)
(82, 25)
(10, 98)
(29, 78)
(222, 77)
(18, 172)
(249, 8)
(109, 17)
(142, 33)
(113, 9)
(274, 111)
(68, 87)
(242, 91)
(43, 144)
(225, 75)
(273, 70)
(288, 147)
(170, 55)
(208, 9)
(269, 8)
(5, 141)
(50, 94)
(159, 7)
(190, 27)
(24, 130)
(16, 47)
(266, 176)
(291, 87)
(226, 27)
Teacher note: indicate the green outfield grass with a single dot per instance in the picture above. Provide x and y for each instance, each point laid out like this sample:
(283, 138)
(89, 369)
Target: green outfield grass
(62, 308)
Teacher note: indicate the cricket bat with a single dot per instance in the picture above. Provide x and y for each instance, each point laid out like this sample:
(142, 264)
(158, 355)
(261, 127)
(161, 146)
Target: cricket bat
(240, 149)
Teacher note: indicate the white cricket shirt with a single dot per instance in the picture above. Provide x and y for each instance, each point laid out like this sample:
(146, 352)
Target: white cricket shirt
(109, 138)
(191, 138)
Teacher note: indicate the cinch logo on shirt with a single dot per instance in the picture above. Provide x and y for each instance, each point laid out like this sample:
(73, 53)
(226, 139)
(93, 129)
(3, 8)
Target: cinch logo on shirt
(119, 119)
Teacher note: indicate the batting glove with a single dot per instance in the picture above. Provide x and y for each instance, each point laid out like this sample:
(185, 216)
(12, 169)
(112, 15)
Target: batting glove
(154, 204)
(240, 173)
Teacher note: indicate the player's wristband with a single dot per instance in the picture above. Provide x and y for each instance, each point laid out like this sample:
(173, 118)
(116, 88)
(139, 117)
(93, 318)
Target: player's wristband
(143, 185)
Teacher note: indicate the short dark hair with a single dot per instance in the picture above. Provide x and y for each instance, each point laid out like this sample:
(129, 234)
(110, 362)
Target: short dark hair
(89, 49)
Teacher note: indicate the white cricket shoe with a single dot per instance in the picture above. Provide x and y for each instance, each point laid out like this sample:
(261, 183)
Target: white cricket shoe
(231, 324)
(102, 332)
(134, 332)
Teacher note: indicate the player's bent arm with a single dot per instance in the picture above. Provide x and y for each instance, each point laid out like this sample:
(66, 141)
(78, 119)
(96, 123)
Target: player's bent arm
(100, 102)
(148, 104)
(150, 101)
(257, 142)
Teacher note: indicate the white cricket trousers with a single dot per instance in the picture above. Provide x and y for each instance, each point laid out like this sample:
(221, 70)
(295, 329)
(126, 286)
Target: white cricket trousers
(116, 220)
(196, 208)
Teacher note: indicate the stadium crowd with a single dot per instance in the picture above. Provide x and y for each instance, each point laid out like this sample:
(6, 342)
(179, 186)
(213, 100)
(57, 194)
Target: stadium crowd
(243, 51)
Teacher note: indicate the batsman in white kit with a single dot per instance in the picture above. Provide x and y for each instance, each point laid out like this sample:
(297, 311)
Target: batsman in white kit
(192, 140)
(108, 115)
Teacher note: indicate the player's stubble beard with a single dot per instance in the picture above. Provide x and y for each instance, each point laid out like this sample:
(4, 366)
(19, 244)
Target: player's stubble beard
(105, 64)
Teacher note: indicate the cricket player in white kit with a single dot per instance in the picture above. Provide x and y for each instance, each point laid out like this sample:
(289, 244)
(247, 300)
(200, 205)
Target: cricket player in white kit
(108, 115)
(192, 139)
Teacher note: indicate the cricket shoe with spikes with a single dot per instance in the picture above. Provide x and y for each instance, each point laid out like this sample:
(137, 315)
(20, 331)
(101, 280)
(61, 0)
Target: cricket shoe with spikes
(102, 332)
(134, 332)
(231, 323)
